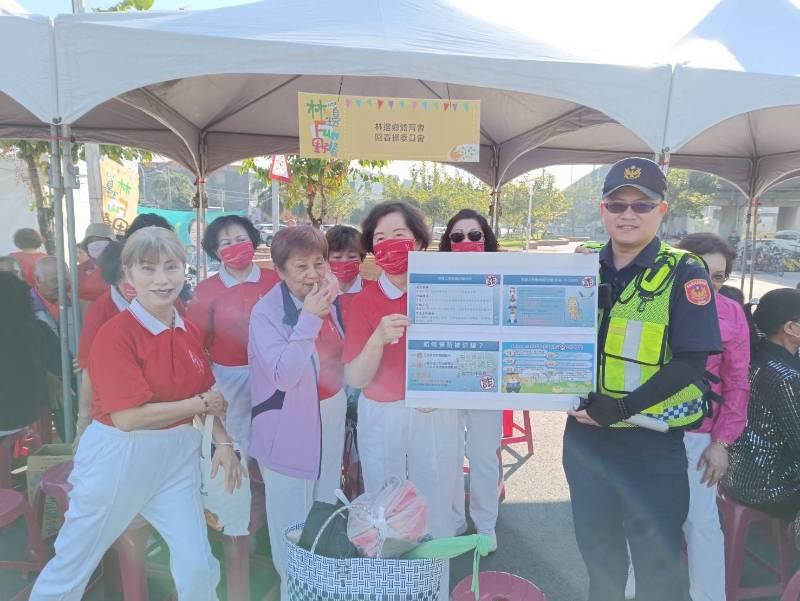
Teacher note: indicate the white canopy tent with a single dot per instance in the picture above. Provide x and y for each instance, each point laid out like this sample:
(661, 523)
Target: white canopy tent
(210, 87)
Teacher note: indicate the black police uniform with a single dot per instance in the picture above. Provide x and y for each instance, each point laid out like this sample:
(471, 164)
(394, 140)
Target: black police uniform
(632, 483)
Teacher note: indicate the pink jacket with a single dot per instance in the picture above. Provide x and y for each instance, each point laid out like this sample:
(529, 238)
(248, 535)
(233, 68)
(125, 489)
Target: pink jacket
(732, 366)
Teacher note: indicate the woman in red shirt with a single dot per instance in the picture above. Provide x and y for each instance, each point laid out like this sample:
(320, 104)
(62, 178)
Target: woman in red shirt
(140, 455)
(395, 441)
(221, 309)
(468, 231)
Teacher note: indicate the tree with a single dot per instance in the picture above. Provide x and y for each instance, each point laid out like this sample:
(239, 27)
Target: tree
(168, 189)
(689, 193)
(548, 205)
(315, 181)
(124, 5)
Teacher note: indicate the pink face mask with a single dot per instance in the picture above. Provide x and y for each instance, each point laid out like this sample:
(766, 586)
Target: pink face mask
(95, 249)
(345, 271)
(128, 291)
(467, 246)
(239, 255)
(392, 255)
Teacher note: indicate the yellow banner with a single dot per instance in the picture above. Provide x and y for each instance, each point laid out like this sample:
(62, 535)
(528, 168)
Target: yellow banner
(120, 194)
(377, 128)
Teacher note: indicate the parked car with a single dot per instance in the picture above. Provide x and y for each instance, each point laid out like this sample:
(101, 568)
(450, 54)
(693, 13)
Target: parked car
(793, 235)
(267, 232)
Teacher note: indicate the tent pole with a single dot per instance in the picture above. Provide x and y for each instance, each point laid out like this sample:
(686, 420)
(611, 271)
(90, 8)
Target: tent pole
(200, 256)
(71, 183)
(754, 249)
(748, 251)
(56, 186)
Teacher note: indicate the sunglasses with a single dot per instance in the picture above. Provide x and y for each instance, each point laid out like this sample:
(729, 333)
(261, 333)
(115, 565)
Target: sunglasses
(473, 236)
(640, 208)
(720, 278)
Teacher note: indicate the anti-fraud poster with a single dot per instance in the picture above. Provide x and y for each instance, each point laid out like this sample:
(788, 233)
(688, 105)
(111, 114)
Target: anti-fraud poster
(501, 330)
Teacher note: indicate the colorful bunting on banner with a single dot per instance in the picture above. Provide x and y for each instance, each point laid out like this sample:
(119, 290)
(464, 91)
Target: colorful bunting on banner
(358, 103)
(404, 104)
(424, 105)
(446, 106)
(380, 104)
(391, 104)
(414, 104)
(347, 102)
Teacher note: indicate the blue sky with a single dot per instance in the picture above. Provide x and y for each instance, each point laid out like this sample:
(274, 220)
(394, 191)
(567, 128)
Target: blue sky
(54, 7)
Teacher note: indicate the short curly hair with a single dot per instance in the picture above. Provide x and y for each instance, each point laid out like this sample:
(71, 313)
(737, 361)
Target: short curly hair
(415, 221)
(210, 241)
(27, 238)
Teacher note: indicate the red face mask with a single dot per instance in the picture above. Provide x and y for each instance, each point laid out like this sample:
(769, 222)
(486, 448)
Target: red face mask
(345, 271)
(468, 246)
(392, 255)
(128, 291)
(239, 255)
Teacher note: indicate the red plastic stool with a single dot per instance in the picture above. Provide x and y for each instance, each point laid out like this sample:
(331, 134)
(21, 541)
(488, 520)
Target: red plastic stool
(792, 592)
(498, 586)
(130, 548)
(525, 430)
(7, 445)
(736, 521)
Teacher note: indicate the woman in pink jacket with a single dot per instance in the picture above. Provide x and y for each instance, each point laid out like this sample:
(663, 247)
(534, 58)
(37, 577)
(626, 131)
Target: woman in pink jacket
(707, 446)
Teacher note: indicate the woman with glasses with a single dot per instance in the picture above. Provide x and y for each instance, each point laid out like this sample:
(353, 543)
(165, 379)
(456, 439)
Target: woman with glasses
(468, 231)
(707, 446)
(765, 462)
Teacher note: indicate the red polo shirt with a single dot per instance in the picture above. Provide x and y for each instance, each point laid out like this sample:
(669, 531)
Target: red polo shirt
(329, 344)
(221, 310)
(27, 261)
(100, 311)
(362, 317)
(91, 284)
(135, 359)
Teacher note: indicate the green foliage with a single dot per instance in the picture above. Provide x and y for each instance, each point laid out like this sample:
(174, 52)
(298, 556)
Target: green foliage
(324, 188)
(169, 189)
(548, 205)
(124, 5)
(438, 192)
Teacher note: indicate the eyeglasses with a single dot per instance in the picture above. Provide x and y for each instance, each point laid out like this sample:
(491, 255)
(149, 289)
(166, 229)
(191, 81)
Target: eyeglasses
(473, 236)
(639, 208)
(720, 278)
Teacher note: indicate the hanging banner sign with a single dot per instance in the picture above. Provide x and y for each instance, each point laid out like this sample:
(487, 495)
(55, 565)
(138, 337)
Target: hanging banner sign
(380, 128)
(120, 194)
(279, 170)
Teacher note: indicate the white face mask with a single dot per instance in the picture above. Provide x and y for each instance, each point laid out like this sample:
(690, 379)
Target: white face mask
(96, 248)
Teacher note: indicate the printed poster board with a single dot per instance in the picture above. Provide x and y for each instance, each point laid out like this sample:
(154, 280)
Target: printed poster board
(378, 128)
(120, 194)
(501, 330)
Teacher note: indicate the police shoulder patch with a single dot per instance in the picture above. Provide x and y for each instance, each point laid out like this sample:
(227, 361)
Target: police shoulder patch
(697, 291)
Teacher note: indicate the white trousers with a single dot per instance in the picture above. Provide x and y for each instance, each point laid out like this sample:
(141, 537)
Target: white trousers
(406, 443)
(290, 499)
(484, 430)
(704, 541)
(116, 476)
(233, 383)
(333, 411)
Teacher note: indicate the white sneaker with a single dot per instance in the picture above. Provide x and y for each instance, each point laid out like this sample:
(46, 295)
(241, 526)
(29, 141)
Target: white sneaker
(493, 535)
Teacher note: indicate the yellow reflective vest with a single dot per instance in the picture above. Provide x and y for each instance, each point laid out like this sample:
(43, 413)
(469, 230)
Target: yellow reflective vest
(634, 339)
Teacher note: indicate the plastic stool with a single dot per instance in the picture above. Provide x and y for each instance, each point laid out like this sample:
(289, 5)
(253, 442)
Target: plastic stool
(12, 507)
(7, 445)
(792, 592)
(525, 430)
(498, 586)
(736, 521)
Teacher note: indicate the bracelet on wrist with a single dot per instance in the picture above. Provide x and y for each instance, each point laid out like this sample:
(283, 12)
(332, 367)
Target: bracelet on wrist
(202, 396)
(723, 444)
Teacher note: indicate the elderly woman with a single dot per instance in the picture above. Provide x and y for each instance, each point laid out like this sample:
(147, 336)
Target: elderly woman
(765, 462)
(707, 447)
(221, 309)
(394, 440)
(468, 231)
(297, 433)
(140, 455)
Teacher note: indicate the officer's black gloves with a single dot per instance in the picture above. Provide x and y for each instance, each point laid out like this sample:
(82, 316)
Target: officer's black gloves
(605, 410)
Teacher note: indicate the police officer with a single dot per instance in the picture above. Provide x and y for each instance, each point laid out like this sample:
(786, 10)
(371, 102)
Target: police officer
(658, 324)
